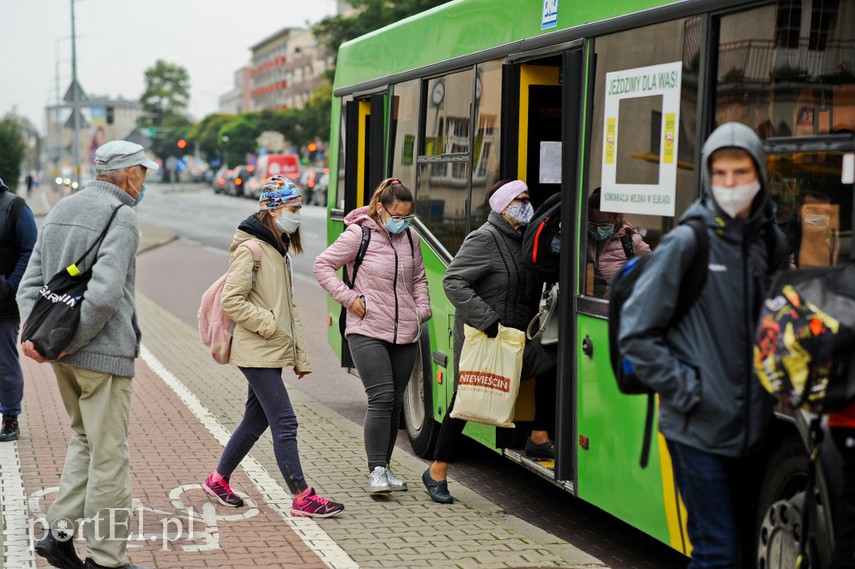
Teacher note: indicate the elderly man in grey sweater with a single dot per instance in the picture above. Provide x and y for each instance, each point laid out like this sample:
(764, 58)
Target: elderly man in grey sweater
(94, 372)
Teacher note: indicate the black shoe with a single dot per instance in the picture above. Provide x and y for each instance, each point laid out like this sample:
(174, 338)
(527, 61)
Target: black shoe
(542, 451)
(437, 489)
(92, 565)
(10, 430)
(58, 553)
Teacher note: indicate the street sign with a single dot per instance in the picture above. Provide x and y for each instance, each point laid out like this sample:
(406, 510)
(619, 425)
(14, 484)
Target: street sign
(70, 122)
(69, 95)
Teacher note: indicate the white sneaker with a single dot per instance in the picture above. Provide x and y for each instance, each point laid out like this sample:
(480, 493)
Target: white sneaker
(378, 481)
(395, 482)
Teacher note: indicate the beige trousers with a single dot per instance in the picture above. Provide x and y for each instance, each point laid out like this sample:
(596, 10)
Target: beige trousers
(95, 488)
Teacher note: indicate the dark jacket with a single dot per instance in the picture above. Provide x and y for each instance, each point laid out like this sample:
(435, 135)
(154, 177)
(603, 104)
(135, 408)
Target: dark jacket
(487, 281)
(702, 365)
(17, 239)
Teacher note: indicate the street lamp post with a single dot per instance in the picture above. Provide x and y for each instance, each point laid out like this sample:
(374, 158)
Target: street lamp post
(75, 109)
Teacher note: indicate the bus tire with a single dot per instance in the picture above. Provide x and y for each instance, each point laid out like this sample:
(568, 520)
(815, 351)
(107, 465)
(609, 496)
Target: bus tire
(422, 430)
(780, 507)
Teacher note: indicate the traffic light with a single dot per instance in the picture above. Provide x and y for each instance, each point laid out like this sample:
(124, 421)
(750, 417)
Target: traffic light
(313, 147)
(182, 144)
(155, 116)
(110, 115)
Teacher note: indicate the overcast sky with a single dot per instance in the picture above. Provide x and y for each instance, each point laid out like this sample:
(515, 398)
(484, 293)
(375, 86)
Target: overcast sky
(118, 39)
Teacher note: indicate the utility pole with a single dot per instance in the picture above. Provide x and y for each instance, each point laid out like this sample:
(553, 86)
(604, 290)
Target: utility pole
(75, 108)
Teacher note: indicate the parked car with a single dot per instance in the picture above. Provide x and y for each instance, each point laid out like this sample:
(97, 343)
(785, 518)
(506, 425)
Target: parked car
(242, 175)
(309, 181)
(221, 179)
(319, 194)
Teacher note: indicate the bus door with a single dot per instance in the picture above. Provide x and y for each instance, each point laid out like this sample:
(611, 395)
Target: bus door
(364, 163)
(546, 114)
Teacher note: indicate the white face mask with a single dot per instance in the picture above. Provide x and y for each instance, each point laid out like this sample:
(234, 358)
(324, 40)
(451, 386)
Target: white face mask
(289, 222)
(733, 200)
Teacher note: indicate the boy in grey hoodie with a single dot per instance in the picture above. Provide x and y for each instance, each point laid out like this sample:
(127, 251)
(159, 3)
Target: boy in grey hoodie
(94, 372)
(712, 412)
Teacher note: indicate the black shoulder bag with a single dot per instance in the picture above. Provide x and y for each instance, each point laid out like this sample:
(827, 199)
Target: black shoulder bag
(56, 314)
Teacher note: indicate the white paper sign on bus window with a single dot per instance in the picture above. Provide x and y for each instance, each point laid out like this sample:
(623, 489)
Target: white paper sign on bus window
(640, 138)
(549, 19)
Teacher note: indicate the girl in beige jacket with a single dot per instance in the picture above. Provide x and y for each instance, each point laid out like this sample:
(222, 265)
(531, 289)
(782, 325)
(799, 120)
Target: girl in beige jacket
(268, 336)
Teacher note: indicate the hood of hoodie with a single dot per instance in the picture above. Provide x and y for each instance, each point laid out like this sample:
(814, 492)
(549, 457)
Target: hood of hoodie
(733, 135)
(252, 227)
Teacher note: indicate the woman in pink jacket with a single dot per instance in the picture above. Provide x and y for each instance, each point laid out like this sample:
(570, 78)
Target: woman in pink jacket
(612, 240)
(385, 310)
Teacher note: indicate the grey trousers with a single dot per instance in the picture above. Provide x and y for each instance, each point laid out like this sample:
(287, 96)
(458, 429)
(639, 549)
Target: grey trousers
(385, 371)
(95, 487)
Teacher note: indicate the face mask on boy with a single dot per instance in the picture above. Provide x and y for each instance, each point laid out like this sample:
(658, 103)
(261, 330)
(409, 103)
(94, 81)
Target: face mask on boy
(733, 200)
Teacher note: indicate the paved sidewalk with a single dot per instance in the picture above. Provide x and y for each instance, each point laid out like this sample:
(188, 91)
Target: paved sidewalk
(184, 408)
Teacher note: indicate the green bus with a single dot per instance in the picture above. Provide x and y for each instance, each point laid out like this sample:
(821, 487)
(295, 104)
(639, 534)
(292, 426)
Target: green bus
(473, 91)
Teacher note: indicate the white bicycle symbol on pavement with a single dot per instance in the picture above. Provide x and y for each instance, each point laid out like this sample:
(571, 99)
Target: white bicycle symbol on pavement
(199, 529)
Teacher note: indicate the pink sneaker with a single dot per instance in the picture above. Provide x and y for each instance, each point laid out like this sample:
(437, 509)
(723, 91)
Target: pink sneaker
(313, 506)
(222, 492)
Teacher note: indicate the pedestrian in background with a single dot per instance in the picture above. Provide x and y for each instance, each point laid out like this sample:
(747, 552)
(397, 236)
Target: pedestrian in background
(19, 238)
(94, 373)
(612, 240)
(489, 285)
(268, 336)
(386, 308)
(712, 411)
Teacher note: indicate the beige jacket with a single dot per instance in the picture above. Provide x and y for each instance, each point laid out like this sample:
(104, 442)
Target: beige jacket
(268, 331)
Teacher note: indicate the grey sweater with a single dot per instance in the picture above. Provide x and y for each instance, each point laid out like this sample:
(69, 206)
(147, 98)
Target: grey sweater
(108, 337)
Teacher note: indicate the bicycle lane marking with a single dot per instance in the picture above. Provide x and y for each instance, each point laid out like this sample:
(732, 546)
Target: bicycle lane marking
(315, 538)
(13, 505)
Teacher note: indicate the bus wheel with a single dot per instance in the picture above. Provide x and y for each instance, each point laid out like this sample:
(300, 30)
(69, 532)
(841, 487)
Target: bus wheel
(422, 430)
(782, 501)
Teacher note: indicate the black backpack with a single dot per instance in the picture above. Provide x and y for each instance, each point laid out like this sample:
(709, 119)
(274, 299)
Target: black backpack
(545, 225)
(624, 280)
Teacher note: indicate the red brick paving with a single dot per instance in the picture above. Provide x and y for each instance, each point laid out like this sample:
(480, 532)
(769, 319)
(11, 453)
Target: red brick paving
(169, 448)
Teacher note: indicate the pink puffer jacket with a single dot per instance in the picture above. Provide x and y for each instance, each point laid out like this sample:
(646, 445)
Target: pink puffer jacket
(395, 294)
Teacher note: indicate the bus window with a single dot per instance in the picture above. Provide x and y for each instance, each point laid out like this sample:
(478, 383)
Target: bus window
(637, 122)
(442, 192)
(404, 131)
(485, 157)
(786, 70)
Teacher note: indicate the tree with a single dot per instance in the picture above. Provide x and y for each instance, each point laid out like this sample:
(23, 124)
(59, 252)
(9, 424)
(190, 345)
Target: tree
(240, 136)
(173, 128)
(167, 87)
(206, 133)
(12, 151)
(369, 15)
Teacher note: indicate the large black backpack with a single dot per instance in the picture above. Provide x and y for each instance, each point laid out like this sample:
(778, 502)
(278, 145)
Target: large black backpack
(538, 254)
(692, 283)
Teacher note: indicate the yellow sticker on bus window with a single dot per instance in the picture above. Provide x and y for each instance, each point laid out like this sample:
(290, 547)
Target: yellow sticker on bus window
(611, 134)
(668, 142)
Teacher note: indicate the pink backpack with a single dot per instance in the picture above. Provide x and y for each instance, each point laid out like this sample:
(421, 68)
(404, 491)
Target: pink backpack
(216, 328)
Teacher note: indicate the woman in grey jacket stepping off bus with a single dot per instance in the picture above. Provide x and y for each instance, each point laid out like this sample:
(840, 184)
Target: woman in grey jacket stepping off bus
(385, 310)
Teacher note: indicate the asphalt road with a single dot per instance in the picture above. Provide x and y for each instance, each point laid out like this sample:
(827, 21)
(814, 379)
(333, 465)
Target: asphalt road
(176, 274)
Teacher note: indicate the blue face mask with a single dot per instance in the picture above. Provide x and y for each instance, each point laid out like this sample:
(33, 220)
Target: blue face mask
(397, 226)
(601, 233)
(139, 196)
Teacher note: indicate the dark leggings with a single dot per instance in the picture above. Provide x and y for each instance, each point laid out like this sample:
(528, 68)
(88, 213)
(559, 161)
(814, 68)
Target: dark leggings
(385, 370)
(267, 404)
(544, 417)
